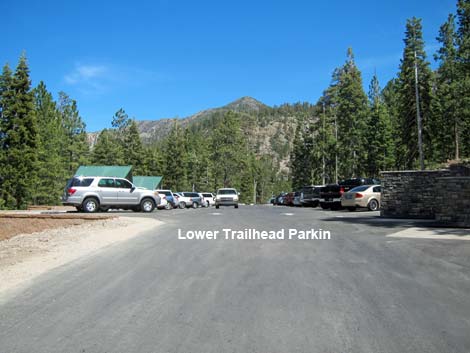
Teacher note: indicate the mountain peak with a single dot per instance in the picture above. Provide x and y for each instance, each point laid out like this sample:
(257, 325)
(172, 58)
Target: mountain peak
(245, 104)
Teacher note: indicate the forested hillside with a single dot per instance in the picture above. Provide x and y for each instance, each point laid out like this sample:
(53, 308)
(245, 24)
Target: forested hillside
(419, 119)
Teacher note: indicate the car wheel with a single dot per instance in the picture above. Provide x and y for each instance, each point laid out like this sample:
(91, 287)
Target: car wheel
(324, 206)
(236, 206)
(90, 205)
(373, 205)
(352, 209)
(168, 206)
(217, 206)
(194, 205)
(147, 205)
(182, 204)
(208, 204)
(315, 204)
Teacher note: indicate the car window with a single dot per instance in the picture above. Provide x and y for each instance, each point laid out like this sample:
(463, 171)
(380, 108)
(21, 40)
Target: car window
(81, 181)
(207, 195)
(377, 189)
(123, 184)
(359, 188)
(106, 183)
(166, 193)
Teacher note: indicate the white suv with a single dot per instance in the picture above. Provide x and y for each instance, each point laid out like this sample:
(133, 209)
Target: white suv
(226, 197)
(91, 194)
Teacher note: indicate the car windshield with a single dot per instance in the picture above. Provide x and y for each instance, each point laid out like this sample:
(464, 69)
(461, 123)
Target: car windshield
(227, 192)
(166, 193)
(360, 188)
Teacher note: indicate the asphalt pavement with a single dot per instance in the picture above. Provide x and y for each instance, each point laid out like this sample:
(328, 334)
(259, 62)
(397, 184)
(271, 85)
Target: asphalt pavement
(358, 291)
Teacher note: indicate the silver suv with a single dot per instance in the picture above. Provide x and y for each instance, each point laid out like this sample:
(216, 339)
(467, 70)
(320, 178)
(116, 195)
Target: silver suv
(226, 197)
(90, 194)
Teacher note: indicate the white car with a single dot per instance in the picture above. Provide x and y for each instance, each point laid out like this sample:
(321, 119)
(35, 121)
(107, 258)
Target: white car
(226, 197)
(209, 198)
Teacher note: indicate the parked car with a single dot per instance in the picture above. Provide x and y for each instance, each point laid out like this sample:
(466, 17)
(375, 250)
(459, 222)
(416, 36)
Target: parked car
(168, 200)
(362, 196)
(189, 199)
(203, 200)
(330, 196)
(310, 195)
(296, 201)
(226, 197)
(91, 194)
(279, 200)
(288, 199)
(209, 198)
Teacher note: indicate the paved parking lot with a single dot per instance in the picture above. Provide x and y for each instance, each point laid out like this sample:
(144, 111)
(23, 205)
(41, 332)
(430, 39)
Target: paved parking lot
(362, 290)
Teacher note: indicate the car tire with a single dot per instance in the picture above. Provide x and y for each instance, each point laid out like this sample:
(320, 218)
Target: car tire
(315, 204)
(147, 205)
(168, 206)
(90, 205)
(217, 206)
(373, 205)
(324, 206)
(194, 205)
(352, 209)
(182, 204)
(236, 206)
(208, 204)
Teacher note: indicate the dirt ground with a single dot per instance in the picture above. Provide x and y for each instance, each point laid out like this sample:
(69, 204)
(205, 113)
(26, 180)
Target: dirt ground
(9, 227)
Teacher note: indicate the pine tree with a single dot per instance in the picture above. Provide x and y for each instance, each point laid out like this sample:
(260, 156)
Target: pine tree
(106, 150)
(380, 154)
(6, 94)
(229, 151)
(133, 149)
(414, 56)
(175, 172)
(463, 69)
(19, 138)
(75, 146)
(351, 109)
(51, 171)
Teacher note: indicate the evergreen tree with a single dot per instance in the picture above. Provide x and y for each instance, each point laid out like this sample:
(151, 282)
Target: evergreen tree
(414, 56)
(6, 95)
(351, 110)
(380, 155)
(463, 68)
(19, 137)
(391, 98)
(75, 146)
(301, 156)
(133, 149)
(51, 171)
(175, 172)
(106, 150)
(229, 150)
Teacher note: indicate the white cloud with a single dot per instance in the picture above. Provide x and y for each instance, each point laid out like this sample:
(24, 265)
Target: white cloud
(85, 74)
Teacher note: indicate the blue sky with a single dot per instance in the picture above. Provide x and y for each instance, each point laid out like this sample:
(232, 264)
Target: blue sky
(162, 58)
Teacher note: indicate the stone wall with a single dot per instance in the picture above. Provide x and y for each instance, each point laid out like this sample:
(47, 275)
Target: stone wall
(443, 195)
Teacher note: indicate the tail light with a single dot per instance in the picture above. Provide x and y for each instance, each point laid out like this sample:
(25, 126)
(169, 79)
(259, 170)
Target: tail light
(358, 195)
(341, 190)
(71, 191)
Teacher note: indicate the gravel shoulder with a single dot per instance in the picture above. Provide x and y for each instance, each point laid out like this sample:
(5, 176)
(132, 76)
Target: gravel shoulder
(26, 256)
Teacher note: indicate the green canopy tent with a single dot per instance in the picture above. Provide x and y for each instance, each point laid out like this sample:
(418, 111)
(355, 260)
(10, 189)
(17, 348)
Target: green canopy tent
(148, 182)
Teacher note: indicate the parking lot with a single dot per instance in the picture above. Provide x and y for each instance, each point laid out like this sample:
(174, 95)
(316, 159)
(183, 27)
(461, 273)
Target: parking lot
(362, 290)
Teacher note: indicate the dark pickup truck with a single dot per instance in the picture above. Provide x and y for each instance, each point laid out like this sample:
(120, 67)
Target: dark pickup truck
(330, 196)
(310, 195)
